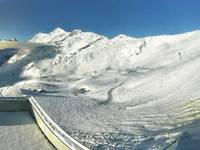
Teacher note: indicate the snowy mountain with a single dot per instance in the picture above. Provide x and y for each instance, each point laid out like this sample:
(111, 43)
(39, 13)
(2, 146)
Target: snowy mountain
(147, 86)
(168, 61)
(84, 51)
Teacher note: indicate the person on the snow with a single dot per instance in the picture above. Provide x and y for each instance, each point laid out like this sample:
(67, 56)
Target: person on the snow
(179, 53)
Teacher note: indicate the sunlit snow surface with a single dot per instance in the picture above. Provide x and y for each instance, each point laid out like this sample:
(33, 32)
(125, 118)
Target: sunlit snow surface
(19, 131)
(120, 93)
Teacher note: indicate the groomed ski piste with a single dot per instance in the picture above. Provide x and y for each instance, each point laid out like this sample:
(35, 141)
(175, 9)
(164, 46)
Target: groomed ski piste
(119, 93)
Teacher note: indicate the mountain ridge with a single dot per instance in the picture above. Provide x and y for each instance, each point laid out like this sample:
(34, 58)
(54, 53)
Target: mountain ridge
(59, 30)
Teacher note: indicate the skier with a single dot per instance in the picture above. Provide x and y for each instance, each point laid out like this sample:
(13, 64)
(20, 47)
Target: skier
(1, 90)
(116, 80)
(179, 53)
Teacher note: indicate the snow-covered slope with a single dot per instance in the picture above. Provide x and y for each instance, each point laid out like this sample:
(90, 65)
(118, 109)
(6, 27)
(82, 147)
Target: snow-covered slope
(85, 51)
(123, 84)
(163, 62)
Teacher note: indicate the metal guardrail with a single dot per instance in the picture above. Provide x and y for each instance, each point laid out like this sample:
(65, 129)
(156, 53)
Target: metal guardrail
(58, 137)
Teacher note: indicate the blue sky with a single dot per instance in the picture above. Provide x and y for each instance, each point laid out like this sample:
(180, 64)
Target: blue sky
(138, 18)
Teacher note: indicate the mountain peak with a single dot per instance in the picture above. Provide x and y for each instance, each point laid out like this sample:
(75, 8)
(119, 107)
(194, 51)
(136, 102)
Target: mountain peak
(74, 32)
(57, 31)
(121, 37)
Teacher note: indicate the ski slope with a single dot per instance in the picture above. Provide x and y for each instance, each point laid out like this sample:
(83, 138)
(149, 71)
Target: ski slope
(119, 93)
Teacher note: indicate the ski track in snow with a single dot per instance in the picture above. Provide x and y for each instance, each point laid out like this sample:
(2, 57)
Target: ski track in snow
(109, 95)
